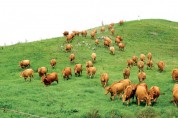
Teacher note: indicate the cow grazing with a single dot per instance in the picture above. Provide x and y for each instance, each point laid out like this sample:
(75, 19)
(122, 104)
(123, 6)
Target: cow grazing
(27, 73)
(89, 64)
(24, 63)
(112, 50)
(121, 46)
(93, 56)
(102, 29)
(135, 59)
(69, 38)
(110, 27)
(112, 31)
(140, 65)
(104, 78)
(121, 22)
(49, 78)
(42, 71)
(126, 82)
(129, 93)
(115, 89)
(91, 71)
(96, 42)
(53, 62)
(130, 63)
(66, 72)
(93, 34)
(161, 66)
(141, 76)
(175, 74)
(117, 40)
(78, 69)
(142, 57)
(84, 33)
(149, 64)
(126, 73)
(142, 95)
(149, 56)
(154, 93)
(72, 57)
(175, 94)
(107, 41)
(68, 47)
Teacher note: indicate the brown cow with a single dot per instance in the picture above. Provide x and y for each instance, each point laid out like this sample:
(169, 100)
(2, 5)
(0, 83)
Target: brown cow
(142, 57)
(67, 72)
(112, 50)
(102, 29)
(91, 71)
(140, 65)
(121, 46)
(161, 66)
(175, 74)
(117, 40)
(93, 34)
(78, 69)
(49, 78)
(141, 76)
(121, 22)
(112, 31)
(130, 63)
(65, 33)
(27, 73)
(69, 37)
(129, 92)
(154, 93)
(68, 47)
(104, 78)
(149, 56)
(135, 59)
(24, 63)
(149, 64)
(115, 89)
(110, 27)
(72, 57)
(175, 94)
(142, 95)
(42, 71)
(53, 62)
(126, 73)
(84, 33)
(96, 42)
(119, 37)
(89, 64)
(93, 56)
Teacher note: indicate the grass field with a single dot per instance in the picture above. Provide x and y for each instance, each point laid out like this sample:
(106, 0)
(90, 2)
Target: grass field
(81, 96)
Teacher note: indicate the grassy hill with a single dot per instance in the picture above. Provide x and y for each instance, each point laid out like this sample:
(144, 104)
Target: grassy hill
(81, 96)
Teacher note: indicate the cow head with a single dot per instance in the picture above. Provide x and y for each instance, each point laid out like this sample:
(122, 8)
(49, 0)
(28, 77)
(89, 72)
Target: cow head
(107, 90)
(148, 100)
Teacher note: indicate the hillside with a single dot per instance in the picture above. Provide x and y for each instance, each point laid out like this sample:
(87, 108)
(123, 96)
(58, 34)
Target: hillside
(81, 96)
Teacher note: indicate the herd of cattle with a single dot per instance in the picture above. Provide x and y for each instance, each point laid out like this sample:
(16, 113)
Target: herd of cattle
(123, 88)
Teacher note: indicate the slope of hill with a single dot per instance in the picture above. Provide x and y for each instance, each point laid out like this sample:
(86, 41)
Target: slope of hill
(81, 96)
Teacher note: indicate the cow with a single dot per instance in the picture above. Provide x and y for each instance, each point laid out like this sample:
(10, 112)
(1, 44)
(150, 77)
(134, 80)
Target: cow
(141, 76)
(68, 47)
(27, 73)
(140, 65)
(65, 33)
(154, 93)
(84, 33)
(89, 64)
(78, 69)
(24, 63)
(161, 66)
(66, 72)
(112, 50)
(53, 62)
(42, 71)
(126, 82)
(112, 31)
(175, 94)
(149, 64)
(69, 38)
(135, 59)
(93, 56)
(149, 56)
(92, 34)
(91, 71)
(117, 40)
(49, 78)
(102, 29)
(110, 27)
(121, 46)
(126, 73)
(142, 57)
(104, 78)
(121, 22)
(72, 57)
(175, 74)
(115, 89)
(130, 63)
(96, 42)
(129, 93)
(142, 95)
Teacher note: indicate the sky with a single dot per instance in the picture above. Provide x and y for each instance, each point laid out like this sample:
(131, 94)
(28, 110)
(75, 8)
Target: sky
(30, 20)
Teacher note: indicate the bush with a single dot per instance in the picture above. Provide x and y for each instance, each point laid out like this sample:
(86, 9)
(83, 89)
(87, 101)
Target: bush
(113, 114)
(147, 112)
(92, 114)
